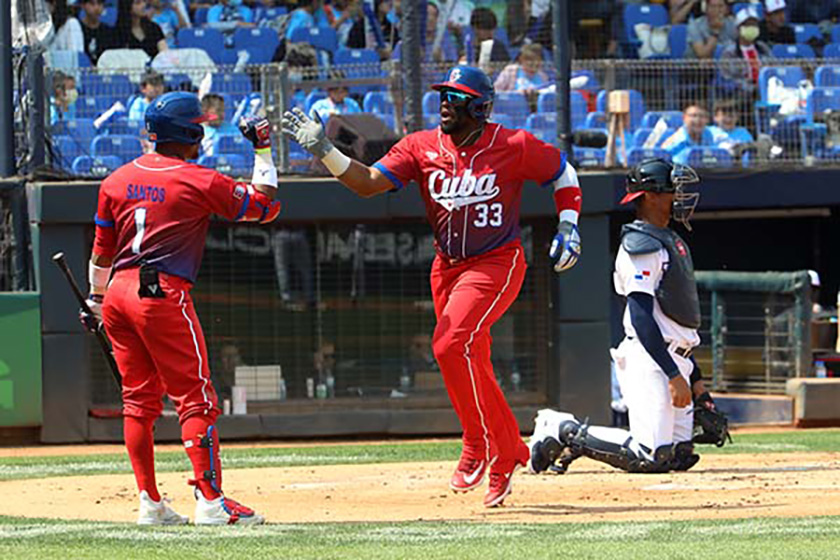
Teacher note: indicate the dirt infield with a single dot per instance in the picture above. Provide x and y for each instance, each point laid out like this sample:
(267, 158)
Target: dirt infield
(720, 486)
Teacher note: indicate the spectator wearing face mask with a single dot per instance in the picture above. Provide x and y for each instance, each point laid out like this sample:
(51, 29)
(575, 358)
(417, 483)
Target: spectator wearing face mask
(693, 133)
(63, 99)
(774, 28)
(716, 27)
(740, 62)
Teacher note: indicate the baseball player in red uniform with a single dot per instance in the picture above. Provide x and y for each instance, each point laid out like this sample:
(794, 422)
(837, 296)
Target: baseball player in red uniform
(151, 225)
(470, 174)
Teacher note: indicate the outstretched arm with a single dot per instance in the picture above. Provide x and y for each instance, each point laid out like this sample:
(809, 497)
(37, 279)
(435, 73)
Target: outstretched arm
(358, 177)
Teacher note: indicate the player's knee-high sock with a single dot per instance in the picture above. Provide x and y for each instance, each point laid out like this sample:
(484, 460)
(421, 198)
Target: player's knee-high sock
(201, 442)
(140, 443)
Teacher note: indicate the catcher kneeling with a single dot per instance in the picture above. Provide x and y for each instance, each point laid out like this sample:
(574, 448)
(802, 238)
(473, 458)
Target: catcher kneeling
(659, 379)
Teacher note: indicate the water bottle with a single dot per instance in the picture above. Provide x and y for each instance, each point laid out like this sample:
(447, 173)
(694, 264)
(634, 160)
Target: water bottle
(330, 381)
(820, 369)
(321, 391)
(281, 389)
(515, 379)
(405, 380)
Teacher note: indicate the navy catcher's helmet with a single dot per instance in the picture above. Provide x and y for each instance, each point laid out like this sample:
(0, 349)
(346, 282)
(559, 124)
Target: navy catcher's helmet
(176, 117)
(657, 175)
(474, 82)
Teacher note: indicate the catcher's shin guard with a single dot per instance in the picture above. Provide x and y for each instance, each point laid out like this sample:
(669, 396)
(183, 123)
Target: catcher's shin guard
(684, 456)
(580, 439)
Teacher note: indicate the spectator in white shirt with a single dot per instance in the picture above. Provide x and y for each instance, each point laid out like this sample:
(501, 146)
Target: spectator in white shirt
(68, 31)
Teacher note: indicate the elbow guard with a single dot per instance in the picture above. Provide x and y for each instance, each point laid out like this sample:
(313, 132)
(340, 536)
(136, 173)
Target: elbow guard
(258, 207)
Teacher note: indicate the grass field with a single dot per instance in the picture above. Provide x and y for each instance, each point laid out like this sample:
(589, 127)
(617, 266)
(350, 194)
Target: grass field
(765, 538)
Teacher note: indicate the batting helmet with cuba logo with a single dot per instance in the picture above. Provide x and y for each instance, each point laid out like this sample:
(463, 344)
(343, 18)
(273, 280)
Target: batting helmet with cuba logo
(474, 82)
(176, 117)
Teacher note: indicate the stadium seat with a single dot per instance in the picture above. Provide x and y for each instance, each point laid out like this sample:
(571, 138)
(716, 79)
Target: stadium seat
(359, 63)
(637, 106)
(65, 149)
(827, 76)
(674, 119)
(789, 75)
(379, 103)
(322, 38)
(677, 40)
(792, 51)
(709, 157)
(123, 146)
(86, 165)
(260, 42)
(84, 60)
(591, 80)
(107, 85)
(637, 155)
(431, 103)
(211, 40)
(822, 100)
(504, 120)
(511, 103)
(596, 119)
(314, 95)
(200, 16)
(235, 144)
(269, 14)
(224, 163)
(123, 126)
(640, 136)
(91, 107)
(590, 157)
(177, 82)
(806, 31)
(832, 50)
(543, 126)
(654, 14)
(80, 129)
(235, 84)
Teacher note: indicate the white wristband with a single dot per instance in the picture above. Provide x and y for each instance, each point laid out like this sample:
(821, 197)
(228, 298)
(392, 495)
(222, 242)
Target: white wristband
(264, 171)
(98, 277)
(336, 162)
(569, 216)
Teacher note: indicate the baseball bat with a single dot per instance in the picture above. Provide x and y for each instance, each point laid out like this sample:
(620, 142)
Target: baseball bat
(61, 263)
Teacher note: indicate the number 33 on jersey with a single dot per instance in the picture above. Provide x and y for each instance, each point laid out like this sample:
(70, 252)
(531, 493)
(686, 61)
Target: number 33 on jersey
(472, 194)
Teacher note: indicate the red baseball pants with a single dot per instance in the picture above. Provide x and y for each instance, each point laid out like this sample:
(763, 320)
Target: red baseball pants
(469, 296)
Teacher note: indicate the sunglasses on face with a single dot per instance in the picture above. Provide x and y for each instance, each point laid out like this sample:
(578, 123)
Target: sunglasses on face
(454, 97)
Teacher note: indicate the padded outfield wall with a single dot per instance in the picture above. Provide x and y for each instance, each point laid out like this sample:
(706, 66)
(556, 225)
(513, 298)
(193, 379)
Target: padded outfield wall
(350, 274)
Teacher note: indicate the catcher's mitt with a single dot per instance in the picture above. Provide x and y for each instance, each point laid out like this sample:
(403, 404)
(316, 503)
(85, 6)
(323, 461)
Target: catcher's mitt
(710, 424)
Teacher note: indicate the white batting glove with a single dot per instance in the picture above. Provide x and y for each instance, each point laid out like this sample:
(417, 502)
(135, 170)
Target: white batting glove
(92, 321)
(565, 248)
(307, 132)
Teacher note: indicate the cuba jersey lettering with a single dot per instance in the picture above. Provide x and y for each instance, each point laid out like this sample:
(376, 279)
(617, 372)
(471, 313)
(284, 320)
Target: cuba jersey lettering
(472, 194)
(157, 209)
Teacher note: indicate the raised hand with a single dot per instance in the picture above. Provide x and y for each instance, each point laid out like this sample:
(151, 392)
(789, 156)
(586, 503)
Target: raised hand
(257, 130)
(307, 132)
(565, 248)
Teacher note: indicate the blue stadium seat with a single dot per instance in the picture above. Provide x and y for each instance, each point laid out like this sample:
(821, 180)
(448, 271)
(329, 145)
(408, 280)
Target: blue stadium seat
(547, 101)
(502, 119)
(543, 126)
(590, 157)
(379, 103)
(827, 76)
(235, 84)
(91, 107)
(591, 82)
(677, 40)
(65, 149)
(709, 157)
(640, 136)
(637, 106)
(806, 31)
(178, 81)
(653, 14)
(86, 165)
(235, 144)
(596, 119)
(431, 121)
(80, 129)
(200, 17)
(123, 146)
(511, 103)
(109, 16)
(431, 103)
(637, 155)
(84, 60)
(224, 163)
(314, 95)
(789, 75)
(268, 14)
(792, 51)
(673, 118)
(758, 8)
(359, 63)
(822, 100)
(260, 42)
(123, 126)
(832, 50)
(322, 38)
(211, 40)
(107, 85)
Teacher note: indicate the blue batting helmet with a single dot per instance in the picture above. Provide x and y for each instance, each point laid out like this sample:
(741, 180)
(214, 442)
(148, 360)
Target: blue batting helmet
(176, 117)
(474, 82)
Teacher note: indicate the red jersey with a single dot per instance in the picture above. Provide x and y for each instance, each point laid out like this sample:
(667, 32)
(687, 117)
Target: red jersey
(157, 209)
(472, 194)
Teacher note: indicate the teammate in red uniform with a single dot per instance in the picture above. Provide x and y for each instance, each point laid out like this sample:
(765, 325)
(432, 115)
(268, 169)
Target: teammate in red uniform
(470, 174)
(151, 224)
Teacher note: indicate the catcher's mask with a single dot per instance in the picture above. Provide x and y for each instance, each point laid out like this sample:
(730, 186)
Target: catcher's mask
(661, 176)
